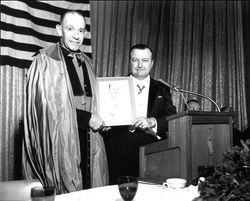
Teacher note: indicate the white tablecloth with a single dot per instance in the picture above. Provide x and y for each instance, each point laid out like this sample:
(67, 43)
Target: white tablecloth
(145, 192)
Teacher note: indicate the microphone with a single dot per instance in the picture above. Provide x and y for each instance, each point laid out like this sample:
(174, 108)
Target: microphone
(169, 85)
(174, 88)
(190, 92)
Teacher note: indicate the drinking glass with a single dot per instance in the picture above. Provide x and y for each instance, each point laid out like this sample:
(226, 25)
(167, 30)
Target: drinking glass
(127, 187)
(43, 193)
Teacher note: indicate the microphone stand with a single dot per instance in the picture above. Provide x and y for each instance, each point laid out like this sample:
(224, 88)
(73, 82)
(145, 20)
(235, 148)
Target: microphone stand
(187, 91)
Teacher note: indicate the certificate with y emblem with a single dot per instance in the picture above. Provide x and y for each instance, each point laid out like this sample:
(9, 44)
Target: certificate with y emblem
(116, 104)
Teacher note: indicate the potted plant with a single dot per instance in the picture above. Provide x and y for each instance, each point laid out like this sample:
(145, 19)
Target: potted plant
(231, 178)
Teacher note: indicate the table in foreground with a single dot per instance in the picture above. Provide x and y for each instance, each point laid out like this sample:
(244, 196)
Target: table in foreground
(145, 192)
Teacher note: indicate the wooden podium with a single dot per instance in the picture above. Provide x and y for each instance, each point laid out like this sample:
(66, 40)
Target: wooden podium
(194, 138)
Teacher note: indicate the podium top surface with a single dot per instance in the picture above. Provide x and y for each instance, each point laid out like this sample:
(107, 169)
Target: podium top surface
(200, 114)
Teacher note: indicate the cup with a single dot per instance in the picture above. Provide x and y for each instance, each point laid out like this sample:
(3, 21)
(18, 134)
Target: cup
(175, 183)
(43, 193)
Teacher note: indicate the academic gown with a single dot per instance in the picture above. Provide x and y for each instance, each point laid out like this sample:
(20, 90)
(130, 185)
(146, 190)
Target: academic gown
(51, 149)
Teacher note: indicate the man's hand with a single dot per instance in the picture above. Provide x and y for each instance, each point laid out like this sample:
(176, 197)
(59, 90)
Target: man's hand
(96, 122)
(147, 125)
(144, 123)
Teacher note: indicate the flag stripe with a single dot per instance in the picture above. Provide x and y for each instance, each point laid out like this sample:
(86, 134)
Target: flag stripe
(18, 47)
(27, 14)
(10, 24)
(27, 26)
(15, 32)
(12, 61)
(21, 14)
(38, 31)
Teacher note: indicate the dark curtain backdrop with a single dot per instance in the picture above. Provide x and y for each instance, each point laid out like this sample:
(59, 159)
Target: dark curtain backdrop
(246, 37)
(202, 46)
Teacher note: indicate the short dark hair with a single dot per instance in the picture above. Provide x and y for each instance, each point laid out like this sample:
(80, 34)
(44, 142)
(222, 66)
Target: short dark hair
(141, 47)
(79, 12)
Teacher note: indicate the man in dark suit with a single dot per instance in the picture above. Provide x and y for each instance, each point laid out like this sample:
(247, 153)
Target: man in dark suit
(153, 104)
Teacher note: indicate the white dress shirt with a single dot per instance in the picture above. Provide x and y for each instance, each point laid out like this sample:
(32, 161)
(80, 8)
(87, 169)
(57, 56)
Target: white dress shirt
(141, 95)
(141, 98)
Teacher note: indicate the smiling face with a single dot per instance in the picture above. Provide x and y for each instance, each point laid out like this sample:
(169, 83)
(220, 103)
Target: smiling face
(141, 63)
(72, 31)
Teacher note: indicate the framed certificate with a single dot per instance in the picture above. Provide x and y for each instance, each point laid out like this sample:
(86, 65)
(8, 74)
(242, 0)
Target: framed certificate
(116, 103)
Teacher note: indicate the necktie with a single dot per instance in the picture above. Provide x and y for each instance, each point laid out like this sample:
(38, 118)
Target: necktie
(78, 61)
(140, 88)
(76, 57)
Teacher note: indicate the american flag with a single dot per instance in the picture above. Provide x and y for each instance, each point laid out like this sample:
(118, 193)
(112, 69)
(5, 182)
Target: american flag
(27, 26)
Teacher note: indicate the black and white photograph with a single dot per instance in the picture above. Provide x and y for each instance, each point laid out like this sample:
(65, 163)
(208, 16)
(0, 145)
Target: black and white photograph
(120, 100)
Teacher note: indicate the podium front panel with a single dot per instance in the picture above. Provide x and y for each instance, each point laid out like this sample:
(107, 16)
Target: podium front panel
(202, 138)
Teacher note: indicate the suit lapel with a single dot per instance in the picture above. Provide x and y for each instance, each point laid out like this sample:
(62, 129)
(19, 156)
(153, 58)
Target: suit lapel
(153, 87)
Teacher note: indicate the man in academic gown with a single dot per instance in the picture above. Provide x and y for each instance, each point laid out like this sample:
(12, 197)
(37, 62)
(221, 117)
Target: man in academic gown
(61, 144)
